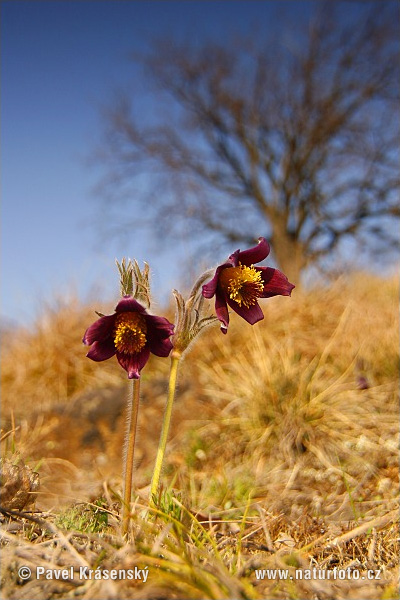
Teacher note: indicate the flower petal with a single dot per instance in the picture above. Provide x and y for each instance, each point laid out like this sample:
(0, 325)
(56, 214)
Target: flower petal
(100, 330)
(252, 315)
(159, 329)
(160, 326)
(209, 288)
(254, 255)
(234, 258)
(102, 350)
(221, 311)
(275, 283)
(134, 363)
(129, 304)
(160, 347)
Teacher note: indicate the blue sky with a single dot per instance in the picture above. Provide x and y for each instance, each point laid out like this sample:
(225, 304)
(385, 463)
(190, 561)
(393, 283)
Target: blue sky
(61, 62)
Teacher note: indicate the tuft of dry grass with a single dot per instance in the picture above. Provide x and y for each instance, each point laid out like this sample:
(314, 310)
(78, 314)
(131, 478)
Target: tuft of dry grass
(293, 422)
(44, 366)
(283, 454)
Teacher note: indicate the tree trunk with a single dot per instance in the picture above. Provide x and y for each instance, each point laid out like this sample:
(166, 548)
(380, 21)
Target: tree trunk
(289, 252)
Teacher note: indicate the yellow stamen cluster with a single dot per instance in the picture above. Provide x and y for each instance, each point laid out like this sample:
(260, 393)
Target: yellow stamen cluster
(130, 332)
(243, 284)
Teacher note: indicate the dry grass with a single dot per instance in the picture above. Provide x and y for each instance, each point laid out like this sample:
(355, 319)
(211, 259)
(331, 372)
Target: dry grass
(283, 454)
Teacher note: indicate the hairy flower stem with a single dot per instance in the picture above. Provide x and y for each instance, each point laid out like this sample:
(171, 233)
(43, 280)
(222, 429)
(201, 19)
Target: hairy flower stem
(130, 450)
(175, 358)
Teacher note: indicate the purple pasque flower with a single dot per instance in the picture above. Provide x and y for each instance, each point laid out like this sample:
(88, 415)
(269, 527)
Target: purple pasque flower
(130, 333)
(239, 284)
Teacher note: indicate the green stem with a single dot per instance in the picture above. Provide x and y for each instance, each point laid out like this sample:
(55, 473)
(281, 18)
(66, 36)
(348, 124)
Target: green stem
(175, 358)
(130, 450)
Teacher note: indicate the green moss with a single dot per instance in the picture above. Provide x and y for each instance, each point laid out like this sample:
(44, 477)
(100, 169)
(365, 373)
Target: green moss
(87, 518)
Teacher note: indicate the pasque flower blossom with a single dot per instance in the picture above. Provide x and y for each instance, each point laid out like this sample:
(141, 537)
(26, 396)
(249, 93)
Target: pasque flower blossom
(130, 333)
(238, 284)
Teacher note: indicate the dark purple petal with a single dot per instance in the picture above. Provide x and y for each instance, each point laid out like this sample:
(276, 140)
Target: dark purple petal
(102, 350)
(254, 255)
(100, 330)
(129, 304)
(160, 347)
(209, 288)
(234, 258)
(275, 283)
(221, 311)
(134, 363)
(252, 315)
(160, 325)
(158, 331)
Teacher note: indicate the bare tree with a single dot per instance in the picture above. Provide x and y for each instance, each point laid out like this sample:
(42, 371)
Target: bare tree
(297, 139)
